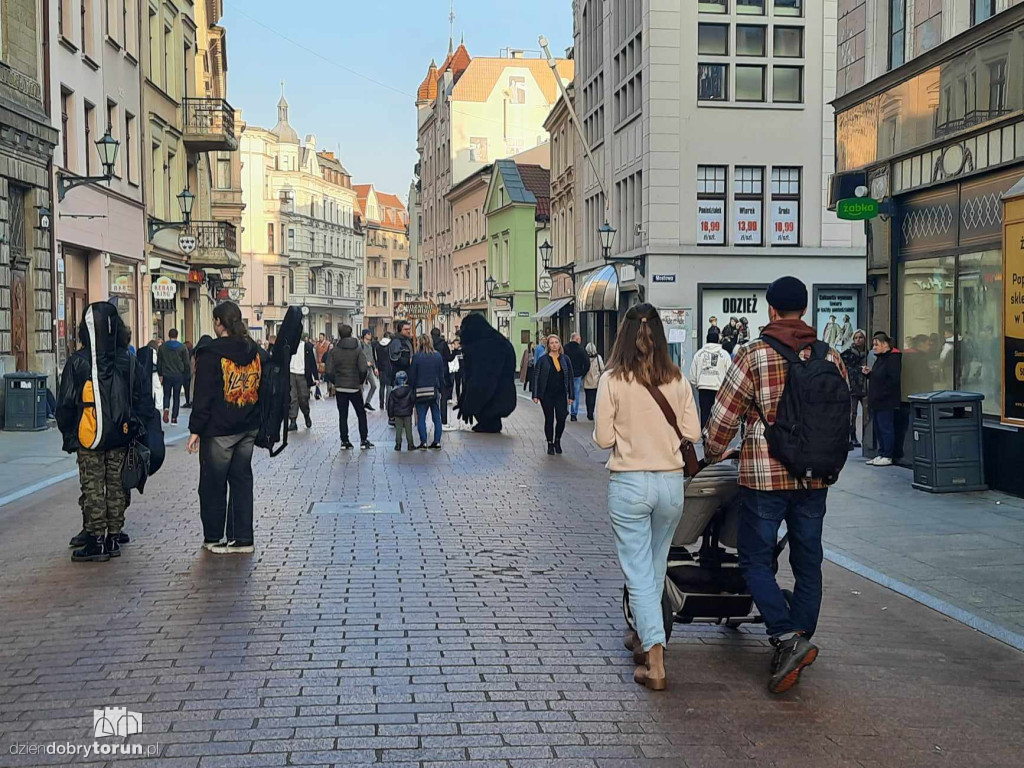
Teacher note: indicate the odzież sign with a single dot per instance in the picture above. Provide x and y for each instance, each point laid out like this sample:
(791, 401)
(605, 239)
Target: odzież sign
(857, 209)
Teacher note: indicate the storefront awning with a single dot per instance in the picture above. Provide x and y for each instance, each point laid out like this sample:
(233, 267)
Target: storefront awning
(553, 308)
(600, 291)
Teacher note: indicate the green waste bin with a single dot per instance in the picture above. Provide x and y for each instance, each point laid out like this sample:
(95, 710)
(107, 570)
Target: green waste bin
(946, 429)
(25, 402)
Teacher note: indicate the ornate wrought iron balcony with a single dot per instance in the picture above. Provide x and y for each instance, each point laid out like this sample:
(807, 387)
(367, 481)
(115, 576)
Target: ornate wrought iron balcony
(209, 125)
(216, 244)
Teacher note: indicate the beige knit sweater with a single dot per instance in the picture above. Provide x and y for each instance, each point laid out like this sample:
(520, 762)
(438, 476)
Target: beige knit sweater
(630, 422)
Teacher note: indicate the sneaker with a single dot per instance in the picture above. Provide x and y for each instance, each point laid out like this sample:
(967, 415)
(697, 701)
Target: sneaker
(346, 445)
(93, 551)
(873, 462)
(366, 444)
(80, 539)
(293, 425)
(791, 656)
(369, 407)
(210, 544)
(447, 428)
(112, 547)
(123, 538)
(233, 548)
(174, 421)
(309, 422)
(435, 446)
(421, 447)
(881, 461)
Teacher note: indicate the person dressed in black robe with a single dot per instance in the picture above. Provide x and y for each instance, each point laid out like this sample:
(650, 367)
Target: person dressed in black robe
(488, 371)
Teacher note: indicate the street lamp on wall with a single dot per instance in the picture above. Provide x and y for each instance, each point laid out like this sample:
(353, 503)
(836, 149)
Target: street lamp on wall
(186, 201)
(567, 269)
(491, 284)
(607, 234)
(106, 147)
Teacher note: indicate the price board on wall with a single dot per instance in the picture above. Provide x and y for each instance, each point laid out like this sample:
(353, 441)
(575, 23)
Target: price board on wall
(785, 226)
(746, 222)
(711, 222)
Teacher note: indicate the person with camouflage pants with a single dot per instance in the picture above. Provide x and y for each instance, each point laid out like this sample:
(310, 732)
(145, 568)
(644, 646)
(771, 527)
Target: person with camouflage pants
(103, 498)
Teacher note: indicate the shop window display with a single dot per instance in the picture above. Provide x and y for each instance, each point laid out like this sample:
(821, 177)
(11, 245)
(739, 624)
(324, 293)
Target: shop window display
(980, 299)
(927, 324)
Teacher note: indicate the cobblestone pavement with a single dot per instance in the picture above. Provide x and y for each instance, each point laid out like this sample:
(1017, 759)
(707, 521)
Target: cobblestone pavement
(472, 619)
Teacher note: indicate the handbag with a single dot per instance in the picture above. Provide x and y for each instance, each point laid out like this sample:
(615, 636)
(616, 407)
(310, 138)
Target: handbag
(425, 394)
(135, 465)
(691, 464)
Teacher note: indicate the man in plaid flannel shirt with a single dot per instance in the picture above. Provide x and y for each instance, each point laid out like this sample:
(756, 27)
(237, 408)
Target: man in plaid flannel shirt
(769, 493)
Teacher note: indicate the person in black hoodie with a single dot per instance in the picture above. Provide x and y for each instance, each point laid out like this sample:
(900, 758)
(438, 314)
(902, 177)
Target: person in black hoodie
(225, 420)
(99, 411)
(884, 396)
(442, 348)
(348, 369)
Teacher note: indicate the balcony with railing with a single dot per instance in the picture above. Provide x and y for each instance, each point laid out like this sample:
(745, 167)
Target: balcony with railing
(209, 125)
(216, 244)
(973, 118)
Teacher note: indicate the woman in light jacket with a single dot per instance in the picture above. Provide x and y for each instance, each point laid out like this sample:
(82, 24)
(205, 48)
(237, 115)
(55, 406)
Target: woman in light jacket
(591, 378)
(645, 490)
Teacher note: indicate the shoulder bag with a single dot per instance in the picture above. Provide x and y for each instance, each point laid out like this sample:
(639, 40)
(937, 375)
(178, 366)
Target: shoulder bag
(135, 465)
(691, 465)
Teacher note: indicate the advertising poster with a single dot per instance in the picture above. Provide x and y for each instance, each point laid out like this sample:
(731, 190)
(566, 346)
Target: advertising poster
(746, 222)
(723, 303)
(837, 316)
(711, 222)
(1013, 315)
(785, 227)
(678, 324)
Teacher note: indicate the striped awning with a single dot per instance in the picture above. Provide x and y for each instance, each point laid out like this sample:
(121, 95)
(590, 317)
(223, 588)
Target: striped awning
(552, 309)
(600, 291)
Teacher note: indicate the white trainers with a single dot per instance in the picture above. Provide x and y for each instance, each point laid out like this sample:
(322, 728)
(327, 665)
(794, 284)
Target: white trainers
(881, 461)
(873, 462)
(447, 428)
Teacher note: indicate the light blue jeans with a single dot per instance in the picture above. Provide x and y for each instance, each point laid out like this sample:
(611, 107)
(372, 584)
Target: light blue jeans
(577, 387)
(645, 509)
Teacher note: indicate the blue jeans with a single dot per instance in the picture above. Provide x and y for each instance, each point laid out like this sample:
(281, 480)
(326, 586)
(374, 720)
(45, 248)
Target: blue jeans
(761, 514)
(577, 387)
(645, 508)
(885, 432)
(421, 420)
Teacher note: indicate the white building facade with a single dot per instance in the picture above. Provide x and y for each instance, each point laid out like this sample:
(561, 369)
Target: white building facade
(711, 128)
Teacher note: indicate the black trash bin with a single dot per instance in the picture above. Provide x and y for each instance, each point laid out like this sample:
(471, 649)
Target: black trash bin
(946, 430)
(25, 402)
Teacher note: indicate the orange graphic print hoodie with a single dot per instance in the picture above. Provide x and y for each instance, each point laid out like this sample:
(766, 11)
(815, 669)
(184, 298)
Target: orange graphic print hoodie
(227, 387)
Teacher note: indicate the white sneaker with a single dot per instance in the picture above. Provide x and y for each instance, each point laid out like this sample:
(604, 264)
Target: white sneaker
(873, 462)
(231, 548)
(881, 461)
(447, 428)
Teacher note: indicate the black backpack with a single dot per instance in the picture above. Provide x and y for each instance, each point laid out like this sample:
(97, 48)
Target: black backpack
(811, 433)
(275, 383)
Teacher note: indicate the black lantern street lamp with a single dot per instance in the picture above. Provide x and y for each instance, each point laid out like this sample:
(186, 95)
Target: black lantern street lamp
(545, 254)
(186, 201)
(566, 269)
(607, 233)
(491, 283)
(106, 147)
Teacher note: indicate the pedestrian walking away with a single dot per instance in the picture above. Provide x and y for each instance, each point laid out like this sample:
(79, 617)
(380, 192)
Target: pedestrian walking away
(302, 373)
(884, 396)
(173, 365)
(99, 409)
(526, 363)
(385, 375)
(707, 372)
(442, 348)
(635, 398)
(595, 367)
(577, 355)
(401, 405)
(226, 415)
(553, 388)
(427, 380)
(346, 365)
(855, 359)
(753, 395)
(366, 347)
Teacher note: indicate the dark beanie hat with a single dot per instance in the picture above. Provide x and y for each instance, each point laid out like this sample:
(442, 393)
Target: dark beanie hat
(787, 294)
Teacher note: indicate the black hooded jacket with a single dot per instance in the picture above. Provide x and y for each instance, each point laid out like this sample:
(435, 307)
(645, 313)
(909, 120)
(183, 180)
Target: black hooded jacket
(100, 399)
(488, 371)
(227, 387)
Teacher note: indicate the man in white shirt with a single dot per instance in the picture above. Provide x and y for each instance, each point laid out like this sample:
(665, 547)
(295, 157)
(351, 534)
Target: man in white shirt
(302, 370)
(707, 372)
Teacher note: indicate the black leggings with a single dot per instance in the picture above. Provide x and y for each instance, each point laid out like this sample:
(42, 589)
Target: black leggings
(555, 410)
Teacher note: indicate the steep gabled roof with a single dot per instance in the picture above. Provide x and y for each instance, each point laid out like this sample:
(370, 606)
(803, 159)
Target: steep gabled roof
(538, 181)
(483, 73)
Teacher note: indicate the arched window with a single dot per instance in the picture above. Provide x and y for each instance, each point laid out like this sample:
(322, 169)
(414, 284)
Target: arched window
(291, 281)
(312, 281)
(330, 285)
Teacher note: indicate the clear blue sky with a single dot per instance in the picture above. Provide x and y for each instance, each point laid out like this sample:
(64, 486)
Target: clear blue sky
(338, 44)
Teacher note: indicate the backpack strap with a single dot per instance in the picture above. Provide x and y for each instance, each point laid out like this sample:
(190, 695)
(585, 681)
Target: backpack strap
(790, 356)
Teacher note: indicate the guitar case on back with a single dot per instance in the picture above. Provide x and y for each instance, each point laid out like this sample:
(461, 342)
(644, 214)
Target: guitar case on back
(275, 384)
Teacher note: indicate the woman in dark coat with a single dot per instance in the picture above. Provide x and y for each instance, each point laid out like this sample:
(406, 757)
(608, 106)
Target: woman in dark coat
(884, 396)
(553, 388)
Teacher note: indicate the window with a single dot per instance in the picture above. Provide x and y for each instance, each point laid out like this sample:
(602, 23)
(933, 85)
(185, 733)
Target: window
(712, 82)
(223, 170)
(979, 300)
(752, 7)
(897, 32)
(90, 131)
(749, 83)
(271, 298)
(789, 42)
(713, 39)
(997, 86)
(982, 10)
(789, 7)
(750, 39)
(113, 126)
(712, 6)
(154, 45)
(711, 204)
(168, 68)
(87, 28)
(788, 85)
(291, 281)
(131, 32)
(785, 207)
(517, 89)
(747, 205)
(312, 281)
(61, 10)
(329, 286)
(926, 322)
(130, 169)
(291, 239)
(270, 237)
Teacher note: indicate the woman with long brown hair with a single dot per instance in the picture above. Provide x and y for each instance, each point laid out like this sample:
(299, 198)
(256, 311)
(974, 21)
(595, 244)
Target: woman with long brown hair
(643, 405)
(552, 389)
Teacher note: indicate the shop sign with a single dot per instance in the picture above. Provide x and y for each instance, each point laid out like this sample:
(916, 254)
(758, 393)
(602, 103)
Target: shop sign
(785, 222)
(837, 316)
(415, 309)
(746, 222)
(724, 303)
(523, 314)
(196, 275)
(1013, 312)
(711, 222)
(122, 285)
(857, 208)
(164, 289)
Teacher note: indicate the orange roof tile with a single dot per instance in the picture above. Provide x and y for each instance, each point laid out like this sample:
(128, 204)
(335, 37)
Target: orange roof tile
(483, 73)
(428, 88)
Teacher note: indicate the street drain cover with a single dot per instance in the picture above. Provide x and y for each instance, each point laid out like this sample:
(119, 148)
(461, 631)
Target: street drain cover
(349, 508)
